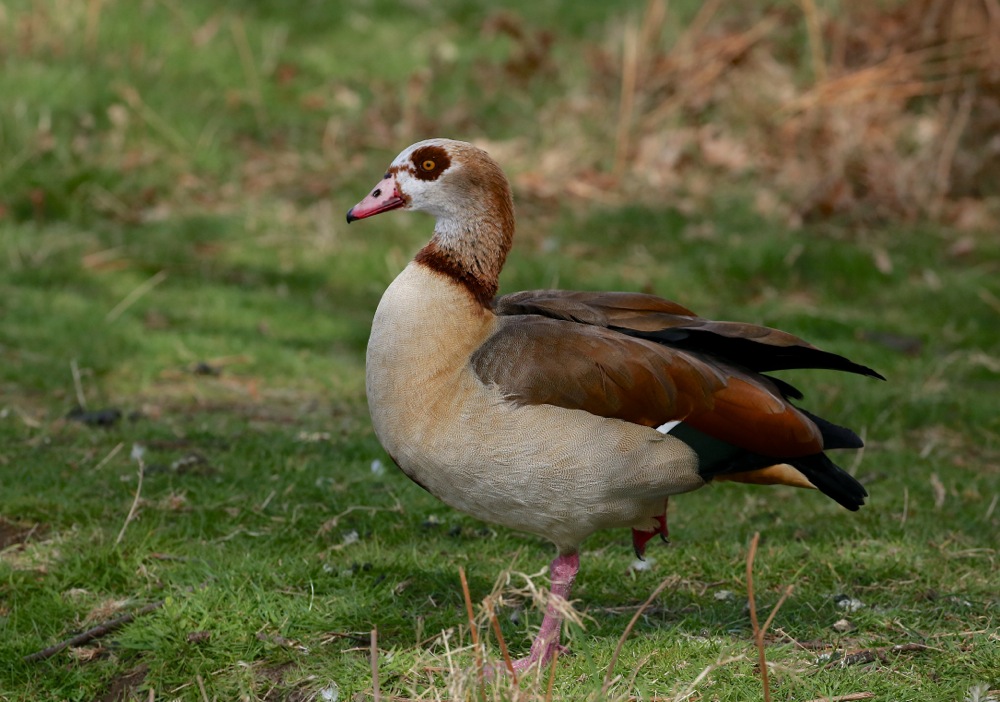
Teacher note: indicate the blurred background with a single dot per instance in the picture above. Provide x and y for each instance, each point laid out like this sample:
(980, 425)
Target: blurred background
(217, 144)
(176, 272)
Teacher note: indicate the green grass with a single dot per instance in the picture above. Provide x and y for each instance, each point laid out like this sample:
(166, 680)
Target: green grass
(151, 148)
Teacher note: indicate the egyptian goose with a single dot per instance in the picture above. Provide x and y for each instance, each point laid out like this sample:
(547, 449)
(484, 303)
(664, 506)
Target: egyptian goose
(560, 413)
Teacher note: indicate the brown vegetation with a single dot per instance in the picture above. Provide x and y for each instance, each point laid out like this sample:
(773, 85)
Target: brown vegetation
(888, 112)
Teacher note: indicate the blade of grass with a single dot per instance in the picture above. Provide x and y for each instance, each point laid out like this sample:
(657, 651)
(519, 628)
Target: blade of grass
(376, 692)
(473, 631)
(135, 500)
(137, 292)
(758, 635)
(628, 629)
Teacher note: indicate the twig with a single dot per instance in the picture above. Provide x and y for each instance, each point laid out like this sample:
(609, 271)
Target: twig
(279, 640)
(201, 687)
(503, 645)
(111, 454)
(628, 629)
(626, 100)
(813, 645)
(990, 299)
(135, 500)
(993, 506)
(158, 124)
(694, 31)
(948, 634)
(130, 299)
(93, 633)
(93, 25)
(702, 675)
(757, 637)
(637, 668)
(869, 655)
(332, 522)
(846, 698)
(77, 384)
(758, 631)
(473, 631)
(376, 692)
(552, 675)
(815, 39)
(781, 601)
(242, 42)
(638, 43)
(946, 158)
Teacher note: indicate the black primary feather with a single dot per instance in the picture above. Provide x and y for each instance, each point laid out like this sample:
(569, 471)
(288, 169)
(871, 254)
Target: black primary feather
(750, 354)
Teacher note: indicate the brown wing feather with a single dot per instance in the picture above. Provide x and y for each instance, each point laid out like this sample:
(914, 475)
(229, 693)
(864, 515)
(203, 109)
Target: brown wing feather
(541, 360)
(603, 309)
(750, 346)
(633, 311)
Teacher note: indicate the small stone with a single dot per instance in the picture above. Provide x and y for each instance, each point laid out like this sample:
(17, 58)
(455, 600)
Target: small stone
(107, 417)
(842, 625)
(638, 565)
(350, 537)
(724, 595)
(851, 604)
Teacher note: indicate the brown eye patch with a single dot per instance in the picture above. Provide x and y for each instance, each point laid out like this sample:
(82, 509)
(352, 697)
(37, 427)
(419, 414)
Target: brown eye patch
(429, 162)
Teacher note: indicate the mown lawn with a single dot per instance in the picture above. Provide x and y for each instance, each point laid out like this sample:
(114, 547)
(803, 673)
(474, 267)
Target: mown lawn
(173, 178)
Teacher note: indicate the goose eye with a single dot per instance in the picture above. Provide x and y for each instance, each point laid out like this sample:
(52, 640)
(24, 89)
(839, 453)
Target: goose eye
(428, 165)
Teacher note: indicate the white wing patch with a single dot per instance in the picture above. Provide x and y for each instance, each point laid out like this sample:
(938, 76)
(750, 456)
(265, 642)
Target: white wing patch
(668, 427)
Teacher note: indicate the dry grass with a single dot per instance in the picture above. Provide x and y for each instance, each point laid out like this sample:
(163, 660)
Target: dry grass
(893, 121)
(876, 113)
(457, 664)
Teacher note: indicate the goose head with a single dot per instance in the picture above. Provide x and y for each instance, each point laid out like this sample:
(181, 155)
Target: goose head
(469, 197)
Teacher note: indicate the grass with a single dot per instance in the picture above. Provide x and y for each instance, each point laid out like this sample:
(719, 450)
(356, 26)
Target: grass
(173, 179)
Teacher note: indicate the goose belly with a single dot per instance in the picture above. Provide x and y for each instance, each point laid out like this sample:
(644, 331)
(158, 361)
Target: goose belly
(557, 473)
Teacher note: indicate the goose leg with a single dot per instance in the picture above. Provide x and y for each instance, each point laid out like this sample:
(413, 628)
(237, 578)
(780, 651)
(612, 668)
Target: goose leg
(563, 572)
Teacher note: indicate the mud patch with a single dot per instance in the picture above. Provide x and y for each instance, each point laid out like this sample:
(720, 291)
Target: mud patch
(276, 689)
(123, 687)
(13, 533)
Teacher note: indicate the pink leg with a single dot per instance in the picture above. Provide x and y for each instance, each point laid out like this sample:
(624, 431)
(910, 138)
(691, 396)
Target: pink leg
(563, 572)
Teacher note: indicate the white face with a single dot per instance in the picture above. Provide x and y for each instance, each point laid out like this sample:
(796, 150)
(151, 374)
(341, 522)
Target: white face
(423, 172)
(424, 178)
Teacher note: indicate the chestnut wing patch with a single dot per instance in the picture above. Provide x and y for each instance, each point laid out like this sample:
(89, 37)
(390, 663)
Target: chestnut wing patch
(540, 360)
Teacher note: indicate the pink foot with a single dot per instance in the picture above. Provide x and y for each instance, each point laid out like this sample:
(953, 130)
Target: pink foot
(543, 659)
(563, 572)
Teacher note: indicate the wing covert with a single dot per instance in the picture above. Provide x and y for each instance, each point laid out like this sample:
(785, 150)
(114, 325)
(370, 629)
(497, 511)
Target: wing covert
(535, 359)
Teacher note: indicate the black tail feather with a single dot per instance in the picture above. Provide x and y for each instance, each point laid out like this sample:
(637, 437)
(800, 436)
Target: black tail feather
(717, 458)
(834, 435)
(832, 480)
